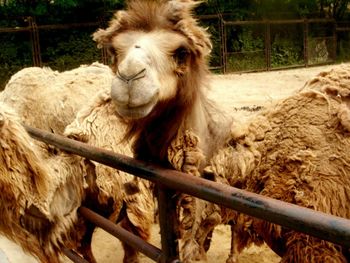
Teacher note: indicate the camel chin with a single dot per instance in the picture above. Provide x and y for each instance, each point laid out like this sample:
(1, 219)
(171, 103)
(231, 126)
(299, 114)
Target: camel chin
(136, 112)
(136, 99)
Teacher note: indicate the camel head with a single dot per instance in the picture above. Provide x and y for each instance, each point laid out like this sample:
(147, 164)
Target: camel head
(158, 54)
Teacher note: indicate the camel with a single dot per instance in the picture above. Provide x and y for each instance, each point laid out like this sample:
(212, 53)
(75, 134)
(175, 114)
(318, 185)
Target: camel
(159, 57)
(44, 191)
(295, 151)
(50, 100)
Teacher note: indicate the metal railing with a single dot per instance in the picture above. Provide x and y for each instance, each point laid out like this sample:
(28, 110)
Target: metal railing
(221, 45)
(264, 29)
(318, 224)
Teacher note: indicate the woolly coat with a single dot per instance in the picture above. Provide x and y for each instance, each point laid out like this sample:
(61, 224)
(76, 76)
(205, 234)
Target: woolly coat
(296, 151)
(42, 192)
(48, 99)
(39, 195)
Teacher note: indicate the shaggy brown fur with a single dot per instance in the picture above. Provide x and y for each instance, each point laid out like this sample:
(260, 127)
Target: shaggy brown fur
(38, 209)
(183, 131)
(298, 152)
(172, 115)
(98, 125)
(49, 100)
(47, 191)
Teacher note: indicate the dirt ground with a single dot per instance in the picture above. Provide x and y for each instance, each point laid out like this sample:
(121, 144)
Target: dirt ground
(232, 92)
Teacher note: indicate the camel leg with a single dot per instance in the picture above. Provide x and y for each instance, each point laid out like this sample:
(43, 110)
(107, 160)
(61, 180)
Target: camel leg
(232, 258)
(85, 248)
(205, 232)
(130, 254)
(207, 241)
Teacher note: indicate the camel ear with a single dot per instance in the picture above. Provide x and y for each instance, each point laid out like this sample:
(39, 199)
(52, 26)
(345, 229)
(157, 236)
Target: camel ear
(180, 13)
(104, 37)
(180, 9)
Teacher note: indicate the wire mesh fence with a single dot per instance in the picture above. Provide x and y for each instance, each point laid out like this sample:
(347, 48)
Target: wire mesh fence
(238, 46)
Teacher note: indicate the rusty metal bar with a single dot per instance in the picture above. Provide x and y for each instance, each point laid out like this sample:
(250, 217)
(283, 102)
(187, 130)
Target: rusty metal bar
(308, 221)
(207, 17)
(306, 43)
(167, 201)
(268, 45)
(343, 29)
(48, 27)
(261, 22)
(291, 21)
(246, 52)
(72, 255)
(34, 36)
(222, 45)
(68, 26)
(14, 29)
(334, 53)
(134, 241)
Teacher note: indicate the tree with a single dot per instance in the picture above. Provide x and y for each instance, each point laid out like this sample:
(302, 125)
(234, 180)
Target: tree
(334, 8)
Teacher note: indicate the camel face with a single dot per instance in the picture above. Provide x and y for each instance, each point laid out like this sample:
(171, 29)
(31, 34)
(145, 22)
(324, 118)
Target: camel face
(158, 53)
(146, 70)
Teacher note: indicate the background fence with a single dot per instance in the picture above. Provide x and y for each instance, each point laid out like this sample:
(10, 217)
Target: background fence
(239, 46)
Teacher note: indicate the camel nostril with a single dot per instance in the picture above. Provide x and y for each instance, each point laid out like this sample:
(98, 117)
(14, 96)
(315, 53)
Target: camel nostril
(129, 79)
(137, 46)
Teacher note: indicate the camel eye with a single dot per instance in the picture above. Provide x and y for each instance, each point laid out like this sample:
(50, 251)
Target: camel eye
(111, 50)
(112, 53)
(180, 55)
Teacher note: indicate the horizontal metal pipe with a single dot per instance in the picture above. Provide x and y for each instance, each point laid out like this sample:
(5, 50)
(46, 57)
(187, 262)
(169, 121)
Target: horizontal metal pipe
(72, 255)
(134, 241)
(14, 29)
(266, 21)
(318, 224)
(69, 26)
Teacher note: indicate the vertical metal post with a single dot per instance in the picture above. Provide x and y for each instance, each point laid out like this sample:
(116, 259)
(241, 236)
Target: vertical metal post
(222, 44)
(268, 45)
(34, 37)
(306, 43)
(334, 53)
(224, 34)
(168, 221)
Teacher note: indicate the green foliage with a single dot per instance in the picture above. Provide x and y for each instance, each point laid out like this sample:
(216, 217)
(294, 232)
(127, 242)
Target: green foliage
(287, 9)
(286, 52)
(64, 50)
(343, 50)
(251, 61)
(248, 41)
(246, 49)
(213, 28)
(59, 11)
(333, 8)
(15, 54)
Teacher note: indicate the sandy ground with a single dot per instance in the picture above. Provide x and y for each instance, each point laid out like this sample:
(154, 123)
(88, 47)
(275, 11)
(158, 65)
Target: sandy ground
(232, 92)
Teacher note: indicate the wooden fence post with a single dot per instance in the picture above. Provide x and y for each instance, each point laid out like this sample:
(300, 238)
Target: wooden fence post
(34, 37)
